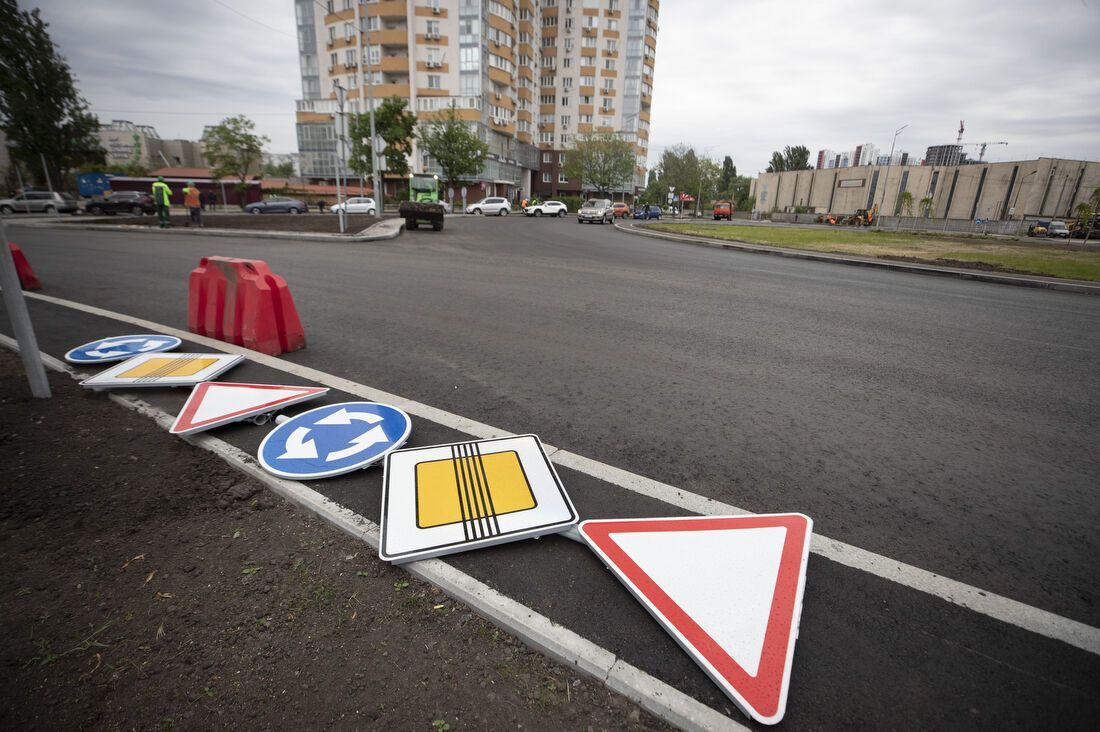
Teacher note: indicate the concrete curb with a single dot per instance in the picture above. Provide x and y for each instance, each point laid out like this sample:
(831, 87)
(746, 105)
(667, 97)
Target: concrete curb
(1048, 283)
(534, 629)
(384, 229)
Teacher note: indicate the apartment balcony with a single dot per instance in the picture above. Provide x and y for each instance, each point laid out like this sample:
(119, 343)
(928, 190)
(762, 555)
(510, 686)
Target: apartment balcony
(392, 64)
(387, 9)
(390, 37)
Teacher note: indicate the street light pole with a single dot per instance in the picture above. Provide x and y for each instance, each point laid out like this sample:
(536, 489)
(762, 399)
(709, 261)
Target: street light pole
(368, 77)
(889, 162)
(341, 135)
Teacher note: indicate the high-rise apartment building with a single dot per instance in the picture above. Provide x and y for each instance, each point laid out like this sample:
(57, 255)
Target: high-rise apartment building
(526, 75)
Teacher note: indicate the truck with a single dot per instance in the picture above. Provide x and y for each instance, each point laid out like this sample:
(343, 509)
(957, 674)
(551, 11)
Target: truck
(423, 206)
(723, 210)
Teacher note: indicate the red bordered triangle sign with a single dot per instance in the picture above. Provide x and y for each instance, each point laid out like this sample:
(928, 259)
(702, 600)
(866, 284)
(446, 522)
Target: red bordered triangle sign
(727, 588)
(214, 403)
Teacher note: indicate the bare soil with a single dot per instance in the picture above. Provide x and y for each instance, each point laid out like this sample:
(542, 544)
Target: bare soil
(316, 223)
(148, 585)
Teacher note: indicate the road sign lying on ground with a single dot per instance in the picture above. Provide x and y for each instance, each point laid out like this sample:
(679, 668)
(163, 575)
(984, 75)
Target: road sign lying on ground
(727, 588)
(214, 403)
(170, 369)
(334, 439)
(450, 498)
(121, 348)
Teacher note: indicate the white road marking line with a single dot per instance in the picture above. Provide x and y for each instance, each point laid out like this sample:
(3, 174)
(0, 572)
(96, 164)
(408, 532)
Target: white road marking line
(1013, 612)
(533, 628)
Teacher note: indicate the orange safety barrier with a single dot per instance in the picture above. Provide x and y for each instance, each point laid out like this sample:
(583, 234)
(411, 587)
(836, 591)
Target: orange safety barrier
(27, 278)
(242, 301)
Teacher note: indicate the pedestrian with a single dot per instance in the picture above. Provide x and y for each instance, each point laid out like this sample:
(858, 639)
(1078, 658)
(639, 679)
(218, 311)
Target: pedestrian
(202, 200)
(162, 198)
(192, 202)
(320, 207)
(212, 199)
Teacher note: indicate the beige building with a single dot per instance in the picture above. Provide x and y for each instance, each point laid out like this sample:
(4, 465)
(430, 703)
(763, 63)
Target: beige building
(527, 75)
(127, 143)
(1046, 187)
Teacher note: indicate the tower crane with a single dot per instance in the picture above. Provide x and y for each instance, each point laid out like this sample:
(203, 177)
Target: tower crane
(983, 146)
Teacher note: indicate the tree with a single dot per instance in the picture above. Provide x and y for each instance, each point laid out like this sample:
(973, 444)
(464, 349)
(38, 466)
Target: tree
(395, 126)
(234, 149)
(454, 147)
(729, 175)
(602, 161)
(281, 170)
(41, 112)
(792, 158)
(927, 207)
(906, 200)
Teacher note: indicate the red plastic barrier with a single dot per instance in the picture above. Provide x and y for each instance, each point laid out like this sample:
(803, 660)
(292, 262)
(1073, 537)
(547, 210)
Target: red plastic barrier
(27, 277)
(242, 301)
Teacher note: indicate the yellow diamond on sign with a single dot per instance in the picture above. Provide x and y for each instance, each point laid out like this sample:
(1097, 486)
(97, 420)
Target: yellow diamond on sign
(471, 487)
(169, 367)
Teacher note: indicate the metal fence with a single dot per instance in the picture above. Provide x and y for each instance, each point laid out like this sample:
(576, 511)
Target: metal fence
(1011, 227)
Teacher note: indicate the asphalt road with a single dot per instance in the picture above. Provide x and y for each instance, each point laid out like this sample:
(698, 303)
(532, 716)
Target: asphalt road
(948, 424)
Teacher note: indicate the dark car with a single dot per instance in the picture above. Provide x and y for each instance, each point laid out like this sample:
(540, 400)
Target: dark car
(130, 202)
(276, 204)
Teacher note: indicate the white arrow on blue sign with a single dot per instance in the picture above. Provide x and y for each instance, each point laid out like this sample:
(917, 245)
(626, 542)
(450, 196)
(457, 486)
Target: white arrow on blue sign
(334, 439)
(121, 348)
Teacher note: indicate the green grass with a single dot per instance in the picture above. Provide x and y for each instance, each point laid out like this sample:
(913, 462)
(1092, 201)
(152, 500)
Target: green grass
(1050, 261)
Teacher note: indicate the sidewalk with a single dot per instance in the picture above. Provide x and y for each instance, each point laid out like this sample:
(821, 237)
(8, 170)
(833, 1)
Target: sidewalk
(149, 585)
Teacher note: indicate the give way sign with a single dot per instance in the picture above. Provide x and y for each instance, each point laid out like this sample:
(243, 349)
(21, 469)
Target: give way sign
(727, 588)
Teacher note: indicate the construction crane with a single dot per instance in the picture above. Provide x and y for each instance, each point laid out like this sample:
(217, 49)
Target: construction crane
(983, 146)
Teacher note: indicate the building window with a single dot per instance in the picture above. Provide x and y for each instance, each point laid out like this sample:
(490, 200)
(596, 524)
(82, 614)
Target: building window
(547, 157)
(374, 54)
(349, 31)
(331, 33)
(331, 61)
(609, 64)
(565, 101)
(607, 103)
(612, 45)
(545, 177)
(434, 81)
(433, 28)
(565, 120)
(349, 57)
(612, 24)
(561, 158)
(562, 178)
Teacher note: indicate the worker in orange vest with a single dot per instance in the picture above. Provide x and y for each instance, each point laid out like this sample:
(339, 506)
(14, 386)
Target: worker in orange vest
(193, 203)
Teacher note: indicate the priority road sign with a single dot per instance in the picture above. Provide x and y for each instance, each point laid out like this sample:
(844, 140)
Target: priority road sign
(170, 369)
(449, 498)
(727, 588)
(121, 348)
(334, 439)
(214, 403)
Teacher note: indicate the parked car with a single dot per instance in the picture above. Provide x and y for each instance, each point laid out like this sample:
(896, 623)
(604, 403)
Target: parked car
(620, 209)
(448, 207)
(131, 202)
(596, 209)
(722, 210)
(356, 206)
(39, 202)
(1058, 229)
(1038, 228)
(490, 206)
(276, 204)
(547, 208)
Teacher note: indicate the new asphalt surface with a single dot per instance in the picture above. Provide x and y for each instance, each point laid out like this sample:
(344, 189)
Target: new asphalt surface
(948, 424)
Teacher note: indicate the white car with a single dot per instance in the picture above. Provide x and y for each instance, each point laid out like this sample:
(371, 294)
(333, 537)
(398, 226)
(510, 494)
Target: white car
(356, 206)
(547, 208)
(490, 207)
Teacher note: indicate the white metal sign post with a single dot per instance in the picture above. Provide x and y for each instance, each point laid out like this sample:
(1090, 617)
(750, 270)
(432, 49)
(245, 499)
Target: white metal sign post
(450, 498)
(21, 320)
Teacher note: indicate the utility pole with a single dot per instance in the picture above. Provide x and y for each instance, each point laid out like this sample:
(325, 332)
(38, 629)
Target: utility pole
(341, 128)
(368, 77)
(889, 162)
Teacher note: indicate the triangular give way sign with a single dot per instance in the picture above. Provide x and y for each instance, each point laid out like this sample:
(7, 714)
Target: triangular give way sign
(214, 403)
(727, 588)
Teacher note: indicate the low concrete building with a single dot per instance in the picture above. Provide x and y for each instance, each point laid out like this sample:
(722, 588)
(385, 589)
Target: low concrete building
(127, 143)
(1047, 187)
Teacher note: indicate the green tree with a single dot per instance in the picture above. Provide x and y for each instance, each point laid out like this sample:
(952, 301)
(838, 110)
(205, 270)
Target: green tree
(234, 148)
(792, 158)
(906, 200)
(927, 207)
(395, 126)
(679, 166)
(729, 176)
(742, 201)
(281, 170)
(455, 148)
(41, 112)
(602, 161)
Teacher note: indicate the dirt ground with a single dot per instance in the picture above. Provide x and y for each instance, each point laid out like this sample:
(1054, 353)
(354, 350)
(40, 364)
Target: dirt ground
(326, 223)
(147, 585)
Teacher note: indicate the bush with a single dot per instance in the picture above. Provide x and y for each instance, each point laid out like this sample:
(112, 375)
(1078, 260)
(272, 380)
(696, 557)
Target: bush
(571, 202)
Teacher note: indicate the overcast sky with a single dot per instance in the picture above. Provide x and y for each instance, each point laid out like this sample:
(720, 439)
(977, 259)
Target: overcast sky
(733, 77)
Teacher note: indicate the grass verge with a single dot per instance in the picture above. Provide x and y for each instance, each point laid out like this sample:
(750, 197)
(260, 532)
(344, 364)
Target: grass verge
(1050, 261)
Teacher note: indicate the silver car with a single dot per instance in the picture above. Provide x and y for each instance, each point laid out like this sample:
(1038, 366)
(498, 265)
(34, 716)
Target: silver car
(39, 202)
(493, 206)
(596, 209)
(358, 205)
